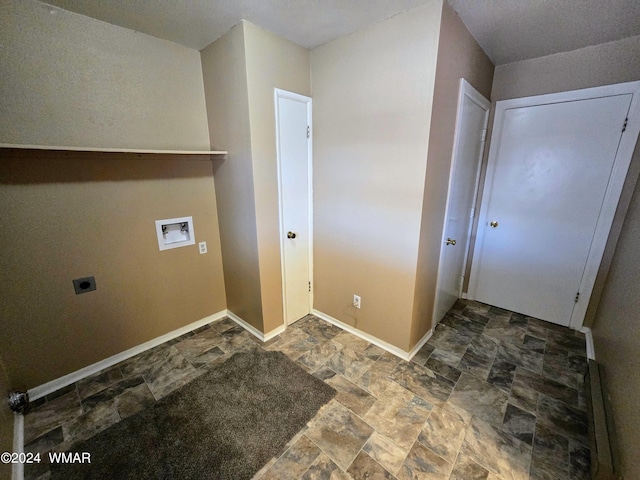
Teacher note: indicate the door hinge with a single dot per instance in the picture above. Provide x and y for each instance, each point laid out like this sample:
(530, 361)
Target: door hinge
(473, 212)
(308, 131)
(309, 286)
(484, 135)
(577, 297)
(624, 127)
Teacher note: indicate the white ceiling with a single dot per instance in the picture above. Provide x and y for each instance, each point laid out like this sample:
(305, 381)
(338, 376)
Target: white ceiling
(508, 30)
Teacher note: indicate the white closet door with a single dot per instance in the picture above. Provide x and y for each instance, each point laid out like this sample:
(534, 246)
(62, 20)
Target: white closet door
(548, 173)
(471, 122)
(293, 121)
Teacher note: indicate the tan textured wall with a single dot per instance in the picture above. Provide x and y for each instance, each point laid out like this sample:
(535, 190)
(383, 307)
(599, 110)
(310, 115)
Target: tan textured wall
(79, 215)
(74, 81)
(71, 80)
(272, 62)
(225, 80)
(6, 423)
(372, 94)
(605, 64)
(459, 56)
(616, 334)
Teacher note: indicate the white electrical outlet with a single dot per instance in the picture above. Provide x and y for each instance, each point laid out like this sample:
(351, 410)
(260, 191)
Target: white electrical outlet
(203, 247)
(356, 301)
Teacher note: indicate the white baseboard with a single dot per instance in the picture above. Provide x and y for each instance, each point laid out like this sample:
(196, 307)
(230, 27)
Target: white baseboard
(421, 343)
(591, 354)
(274, 333)
(398, 352)
(17, 469)
(263, 337)
(54, 385)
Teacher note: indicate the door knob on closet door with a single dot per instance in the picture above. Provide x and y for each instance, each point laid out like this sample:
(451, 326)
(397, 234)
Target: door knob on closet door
(450, 241)
(291, 235)
(494, 224)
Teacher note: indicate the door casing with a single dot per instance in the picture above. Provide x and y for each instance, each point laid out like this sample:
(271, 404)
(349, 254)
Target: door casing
(614, 188)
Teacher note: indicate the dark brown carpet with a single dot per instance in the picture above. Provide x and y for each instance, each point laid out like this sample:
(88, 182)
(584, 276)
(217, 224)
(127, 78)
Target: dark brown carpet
(224, 425)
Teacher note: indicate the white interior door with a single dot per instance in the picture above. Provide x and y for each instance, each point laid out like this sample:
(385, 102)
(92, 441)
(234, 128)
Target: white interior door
(293, 132)
(471, 124)
(547, 179)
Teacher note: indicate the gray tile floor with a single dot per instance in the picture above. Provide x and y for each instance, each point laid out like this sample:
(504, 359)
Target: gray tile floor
(492, 395)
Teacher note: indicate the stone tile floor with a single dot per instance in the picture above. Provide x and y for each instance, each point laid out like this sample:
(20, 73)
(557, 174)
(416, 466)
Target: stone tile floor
(492, 395)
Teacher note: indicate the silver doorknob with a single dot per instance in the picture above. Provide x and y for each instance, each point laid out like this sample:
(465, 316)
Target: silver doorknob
(493, 224)
(450, 242)
(291, 235)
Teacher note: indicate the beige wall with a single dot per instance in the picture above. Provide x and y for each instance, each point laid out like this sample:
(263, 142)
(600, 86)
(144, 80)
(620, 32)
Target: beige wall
(78, 215)
(614, 321)
(372, 93)
(6, 424)
(74, 81)
(225, 80)
(70, 80)
(241, 70)
(459, 56)
(616, 334)
(605, 64)
(272, 62)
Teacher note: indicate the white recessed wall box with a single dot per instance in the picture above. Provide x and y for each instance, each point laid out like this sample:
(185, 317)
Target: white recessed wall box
(175, 232)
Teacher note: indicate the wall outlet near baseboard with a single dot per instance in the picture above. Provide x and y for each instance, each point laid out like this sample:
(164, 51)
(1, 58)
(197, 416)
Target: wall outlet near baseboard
(202, 246)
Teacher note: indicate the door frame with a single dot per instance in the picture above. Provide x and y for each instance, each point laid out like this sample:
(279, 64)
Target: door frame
(614, 187)
(278, 94)
(465, 90)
